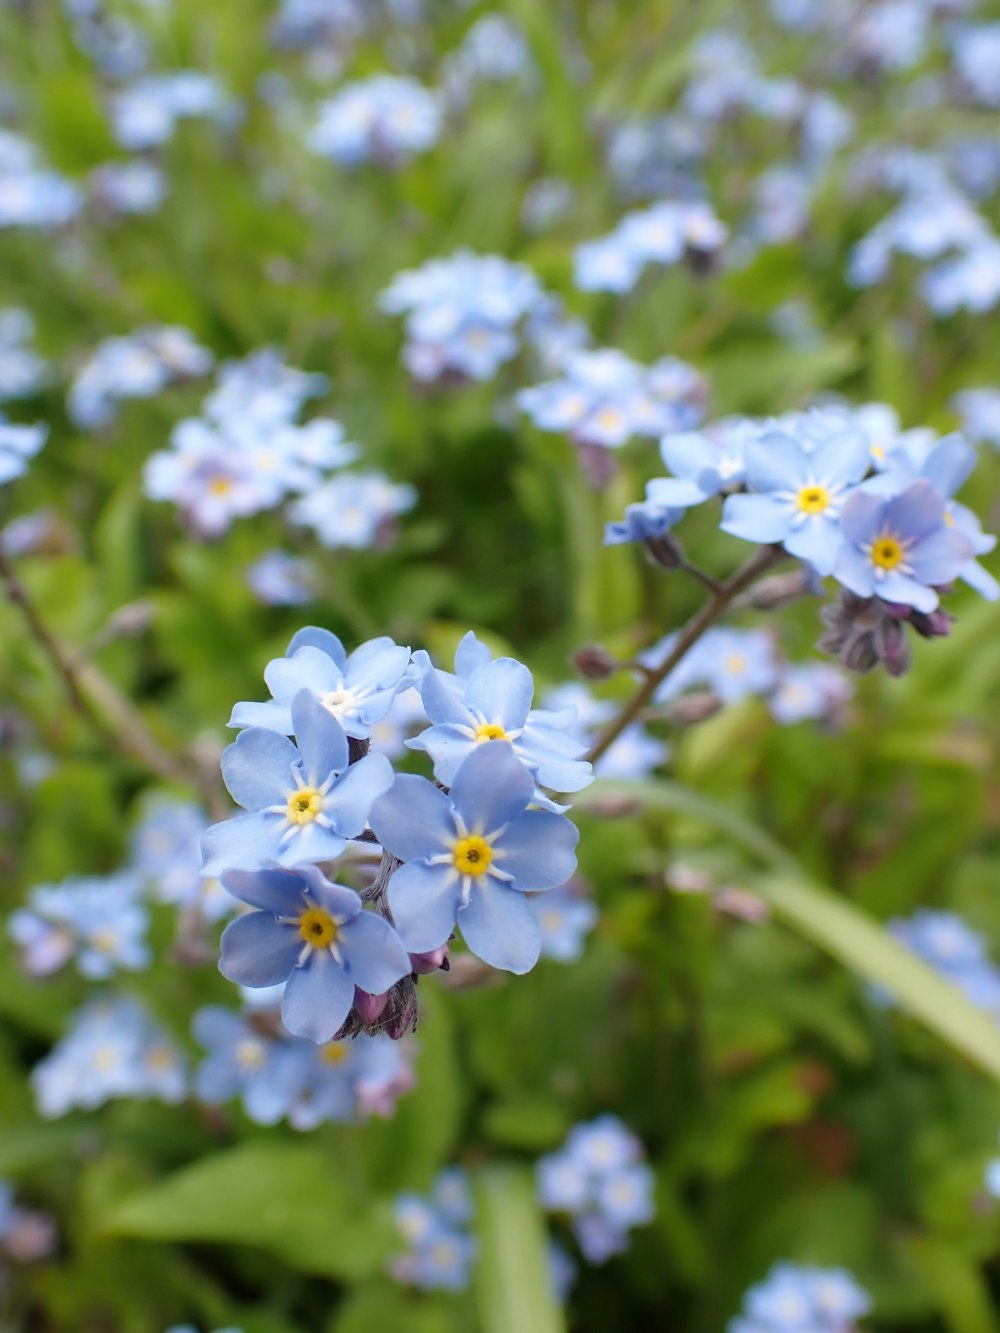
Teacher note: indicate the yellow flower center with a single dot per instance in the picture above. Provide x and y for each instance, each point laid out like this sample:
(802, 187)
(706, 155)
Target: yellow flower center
(609, 418)
(334, 1053)
(105, 1058)
(220, 485)
(250, 1054)
(317, 927)
(304, 805)
(490, 731)
(813, 499)
(472, 856)
(159, 1060)
(887, 553)
(735, 664)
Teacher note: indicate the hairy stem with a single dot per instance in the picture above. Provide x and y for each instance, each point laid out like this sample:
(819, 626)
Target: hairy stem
(703, 619)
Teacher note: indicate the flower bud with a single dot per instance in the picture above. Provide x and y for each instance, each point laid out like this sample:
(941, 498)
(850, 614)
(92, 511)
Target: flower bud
(424, 963)
(369, 1007)
(594, 662)
(665, 551)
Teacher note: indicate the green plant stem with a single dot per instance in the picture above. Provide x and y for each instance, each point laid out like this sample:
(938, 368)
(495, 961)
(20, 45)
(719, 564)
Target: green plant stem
(720, 598)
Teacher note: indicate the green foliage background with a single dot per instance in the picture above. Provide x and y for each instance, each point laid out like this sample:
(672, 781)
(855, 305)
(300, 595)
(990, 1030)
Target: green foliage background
(786, 1115)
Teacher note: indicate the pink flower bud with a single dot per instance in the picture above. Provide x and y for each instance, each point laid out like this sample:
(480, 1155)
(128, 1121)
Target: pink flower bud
(369, 1007)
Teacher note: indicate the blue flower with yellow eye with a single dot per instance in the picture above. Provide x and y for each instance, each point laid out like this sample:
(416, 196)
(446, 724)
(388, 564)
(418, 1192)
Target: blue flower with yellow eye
(493, 702)
(316, 937)
(470, 856)
(304, 801)
(900, 549)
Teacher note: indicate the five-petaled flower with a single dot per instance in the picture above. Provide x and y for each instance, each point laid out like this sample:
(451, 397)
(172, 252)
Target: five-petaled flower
(470, 856)
(315, 936)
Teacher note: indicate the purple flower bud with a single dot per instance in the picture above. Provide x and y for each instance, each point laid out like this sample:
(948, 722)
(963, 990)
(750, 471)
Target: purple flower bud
(405, 1020)
(423, 963)
(369, 1007)
(932, 624)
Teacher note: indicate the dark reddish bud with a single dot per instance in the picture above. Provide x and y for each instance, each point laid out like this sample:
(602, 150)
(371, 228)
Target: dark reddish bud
(369, 1007)
(932, 624)
(692, 708)
(403, 1021)
(594, 662)
(665, 551)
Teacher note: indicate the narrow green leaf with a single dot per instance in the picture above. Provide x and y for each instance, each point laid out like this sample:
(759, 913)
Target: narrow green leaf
(513, 1288)
(288, 1198)
(832, 923)
(955, 1283)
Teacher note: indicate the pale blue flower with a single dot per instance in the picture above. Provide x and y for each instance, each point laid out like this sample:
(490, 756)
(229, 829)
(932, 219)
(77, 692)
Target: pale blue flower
(798, 494)
(314, 936)
(384, 119)
(354, 510)
(304, 802)
(565, 920)
(471, 856)
(900, 549)
(18, 445)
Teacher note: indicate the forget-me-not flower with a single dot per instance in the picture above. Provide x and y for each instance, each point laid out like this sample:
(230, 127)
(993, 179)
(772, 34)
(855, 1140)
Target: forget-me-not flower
(315, 936)
(470, 856)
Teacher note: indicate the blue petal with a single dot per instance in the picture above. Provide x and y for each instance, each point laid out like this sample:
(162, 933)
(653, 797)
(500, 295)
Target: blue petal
(470, 654)
(259, 950)
(896, 587)
(756, 518)
(321, 739)
(552, 769)
(854, 571)
(277, 891)
(271, 716)
(322, 639)
(247, 841)
(816, 541)
(447, 746)
(502, 691)
(860, 516)
(308, 845)
(500, 927)
(949, 464)
(776, 462)
(443, 699)
(979, 578)
(916, 512)
(215, 1026)
(373, 953)
(349, 804)
(257, 768)
(318, 998)
(842, 460)
(307, 669)
(538, 850)
(940, 557)
(424, 901)
(674, 491)
(339, 900)
(413, 818)
(379, 663)
(491, 786)
(687, 454)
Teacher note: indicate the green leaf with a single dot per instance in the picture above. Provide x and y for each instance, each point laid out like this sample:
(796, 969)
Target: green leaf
(835, 925)
(287, 1198)
(956, 1286)
(513, 1288)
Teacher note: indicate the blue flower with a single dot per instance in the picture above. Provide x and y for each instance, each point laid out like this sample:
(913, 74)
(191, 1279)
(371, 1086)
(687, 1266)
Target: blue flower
(900, 549)
(280, 579)
(357, 690)
(494, 703)
(383, 119)
(470, 856)
(304, 802)
(440, 1251)
(701, 465)
(100, 922)
(799, 494)
(315, 936)
(354, 510)
(565, 920)
(643, 522)
(813, 690)
(241, 1061)
(798, 1299)
(17, 445)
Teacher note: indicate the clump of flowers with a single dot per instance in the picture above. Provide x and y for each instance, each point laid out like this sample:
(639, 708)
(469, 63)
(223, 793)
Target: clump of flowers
(139, 365)
(463, 852)
(600, 1182)
(384, 119)
(462, 314)
(794, 1296)
(440, 1251)
(664, 234)
(100, 923)
(112, 1049)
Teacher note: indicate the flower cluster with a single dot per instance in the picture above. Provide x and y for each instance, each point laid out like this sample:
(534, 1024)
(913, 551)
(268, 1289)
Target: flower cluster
(145, 114)
(100, 923)
(794, 1298)
(139, 365)
(22, 370)
(598, 1179)
(281, 1077)
(664, 234)
(31, 195)
(604, 398)
(440, 1250)
(384, 119)
(462, 314)
(111, 1049)
(462, 854)
(848, 495)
